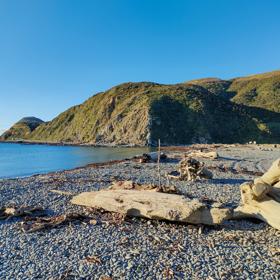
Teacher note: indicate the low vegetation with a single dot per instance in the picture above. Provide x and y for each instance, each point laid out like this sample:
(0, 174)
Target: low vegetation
(22, 129)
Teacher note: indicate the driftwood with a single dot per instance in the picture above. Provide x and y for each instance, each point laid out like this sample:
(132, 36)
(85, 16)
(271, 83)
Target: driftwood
(35, 219)
(200, 154)
(152, 157)
(261, 198)
(130, 185)
(275, 192)
(10, 212)
(153, 205)
(33, 224)
(191, 169)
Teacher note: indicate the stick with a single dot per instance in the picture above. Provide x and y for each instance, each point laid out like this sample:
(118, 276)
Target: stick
(158, 162)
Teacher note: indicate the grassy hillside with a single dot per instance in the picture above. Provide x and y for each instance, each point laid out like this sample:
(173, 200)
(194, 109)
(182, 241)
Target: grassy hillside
(140, 113)
(207, 110)
(118, 116)
(22, 129)
(197, 116)
(214, 85)
(261, 91)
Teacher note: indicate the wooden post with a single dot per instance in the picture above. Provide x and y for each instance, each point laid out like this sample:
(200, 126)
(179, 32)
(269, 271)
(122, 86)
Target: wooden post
(158, 162)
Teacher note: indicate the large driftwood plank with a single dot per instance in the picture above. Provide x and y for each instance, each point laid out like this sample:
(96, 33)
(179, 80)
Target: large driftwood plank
(153, 205)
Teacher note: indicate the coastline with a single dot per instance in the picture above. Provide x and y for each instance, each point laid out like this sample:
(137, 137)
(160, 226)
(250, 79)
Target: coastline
(163, 146)
(165, 149)
(45, 159)
(28, 142)
(89, 165)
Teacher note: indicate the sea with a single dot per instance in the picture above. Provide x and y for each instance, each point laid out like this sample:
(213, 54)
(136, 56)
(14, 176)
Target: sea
(21, 160)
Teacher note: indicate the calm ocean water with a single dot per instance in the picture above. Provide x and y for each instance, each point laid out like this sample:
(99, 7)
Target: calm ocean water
(17, 160)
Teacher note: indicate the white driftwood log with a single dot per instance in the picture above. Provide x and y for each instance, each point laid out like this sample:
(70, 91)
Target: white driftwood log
(266, 209)
(272, 175)
(269, 183)
(200, 154)
(261, 198)
(153, 205)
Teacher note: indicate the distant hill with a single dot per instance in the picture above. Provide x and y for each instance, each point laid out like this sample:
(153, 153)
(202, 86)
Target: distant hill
(199, 111)
(21, 129)
(262, 90)
(215, 86)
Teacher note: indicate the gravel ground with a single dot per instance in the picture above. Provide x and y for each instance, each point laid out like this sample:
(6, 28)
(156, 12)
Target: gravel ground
(139, 248)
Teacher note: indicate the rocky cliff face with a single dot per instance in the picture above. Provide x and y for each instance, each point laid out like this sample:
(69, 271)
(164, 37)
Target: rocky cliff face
(205, 110)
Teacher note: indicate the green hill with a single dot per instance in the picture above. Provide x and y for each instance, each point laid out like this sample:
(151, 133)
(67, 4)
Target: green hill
(207, 110)
(262, 90)
(21, 129)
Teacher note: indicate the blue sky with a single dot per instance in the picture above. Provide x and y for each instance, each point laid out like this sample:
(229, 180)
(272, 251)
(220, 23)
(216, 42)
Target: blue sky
(57, 53)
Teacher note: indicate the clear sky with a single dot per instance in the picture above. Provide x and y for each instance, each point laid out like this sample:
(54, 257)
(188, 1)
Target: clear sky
(57, 53)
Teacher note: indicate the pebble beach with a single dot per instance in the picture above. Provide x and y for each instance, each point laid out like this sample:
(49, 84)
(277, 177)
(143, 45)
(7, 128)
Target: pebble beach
(141, 248)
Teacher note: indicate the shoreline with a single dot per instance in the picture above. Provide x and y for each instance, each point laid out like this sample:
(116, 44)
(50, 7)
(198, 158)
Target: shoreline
(111, 145)
(27, 142)
(110, 162)
(89, 165)
(183, 148)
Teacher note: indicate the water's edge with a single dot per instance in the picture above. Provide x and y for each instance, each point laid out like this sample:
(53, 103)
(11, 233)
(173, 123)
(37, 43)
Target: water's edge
(104, 145)
(18, 160)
